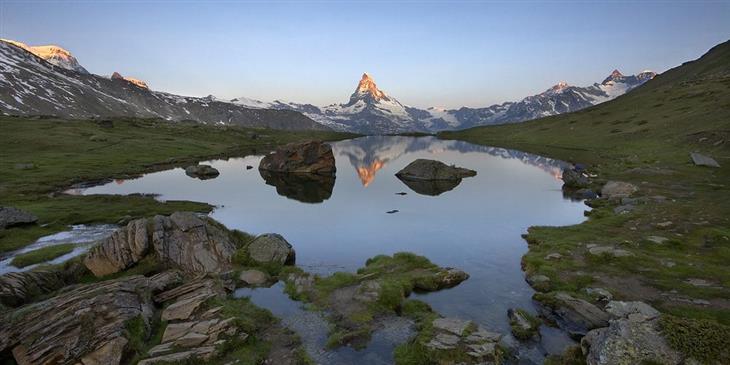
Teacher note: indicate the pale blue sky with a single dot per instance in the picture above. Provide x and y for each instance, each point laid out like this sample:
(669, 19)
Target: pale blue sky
(425, 53)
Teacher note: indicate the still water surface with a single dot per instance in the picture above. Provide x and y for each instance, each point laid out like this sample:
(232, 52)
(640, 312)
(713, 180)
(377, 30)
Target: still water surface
(338, 224)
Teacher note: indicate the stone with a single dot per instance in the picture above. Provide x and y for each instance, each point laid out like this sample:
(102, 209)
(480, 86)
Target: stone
(86, 323)
(629, 341)
(173, 331)
(482, 350)
(199, 353)
(575, 316)
(18, 288)
(618, 189)
(254, 277)
(306, 188)
(192, 243)
(553, 256)
(633, 310)
(423, 169)
(271, 248)
(24, 166)
(622, 209)
(574, 179)
(202, 172)
(124, 248)
(599, 294)
(657, 239)
(191, 340)
(702, 160)
(698, 282)
(452, 325)
(312, 157)
(11, 217)
(523, 327)
(444, 278)
(431, 187)
(443, 341)
(368, 291)
(184, 308)
(539, 282)
(482, 335)
(109, 353)
(609, 251)
(160, 349)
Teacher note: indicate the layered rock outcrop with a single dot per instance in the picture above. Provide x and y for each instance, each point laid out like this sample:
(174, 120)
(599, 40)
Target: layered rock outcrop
(192, 243)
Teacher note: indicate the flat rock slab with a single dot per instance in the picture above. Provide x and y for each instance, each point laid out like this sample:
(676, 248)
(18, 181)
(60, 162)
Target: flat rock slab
(702, 160)
(452, 325)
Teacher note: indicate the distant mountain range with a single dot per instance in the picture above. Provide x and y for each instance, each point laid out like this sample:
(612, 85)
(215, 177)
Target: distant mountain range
(48, 80)
(372, 111)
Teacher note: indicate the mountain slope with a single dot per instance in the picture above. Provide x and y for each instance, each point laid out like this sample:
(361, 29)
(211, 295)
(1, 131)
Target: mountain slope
(29, 85)
(645, 138)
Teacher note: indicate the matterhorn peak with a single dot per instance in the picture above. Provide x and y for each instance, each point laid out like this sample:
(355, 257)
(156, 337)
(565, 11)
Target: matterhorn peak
(53, 54)
(366, 87)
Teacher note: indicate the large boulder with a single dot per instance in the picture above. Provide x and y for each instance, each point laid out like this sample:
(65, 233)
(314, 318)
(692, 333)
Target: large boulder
(618, 189)
(194, 244)
(312, 157)
(423, 169)
(11, 216)
(271, 248)
(702, 160)
(124, 248)
(574, 179)
(575, 316)
(202, 172)
(86, 324)
(634, 337)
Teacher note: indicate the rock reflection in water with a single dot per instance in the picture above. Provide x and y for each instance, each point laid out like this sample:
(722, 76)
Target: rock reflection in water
(306, 188)
(431, 187)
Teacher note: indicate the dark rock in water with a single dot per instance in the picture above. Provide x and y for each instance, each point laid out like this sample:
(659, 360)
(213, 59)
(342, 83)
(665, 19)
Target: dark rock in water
(249, 167)
(10, 216)
(576, 316)
(423, 169)
(401, 193)
(579, 194)
(271, 248)
(306, 188)
(195, 244)
(392, 211)
(431, 187)
(308, 157)
(572, 178)
(702, 160)
(202, 172)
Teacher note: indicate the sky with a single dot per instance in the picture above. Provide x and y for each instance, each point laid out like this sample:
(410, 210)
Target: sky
(424, 53)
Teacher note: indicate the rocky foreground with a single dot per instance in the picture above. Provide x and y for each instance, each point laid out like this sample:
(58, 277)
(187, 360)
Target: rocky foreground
(159, 291)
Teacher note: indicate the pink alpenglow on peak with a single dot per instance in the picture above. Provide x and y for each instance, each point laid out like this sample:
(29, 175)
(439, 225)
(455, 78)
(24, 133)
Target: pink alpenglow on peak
(136, 82)
(367, 85)
(53, 54)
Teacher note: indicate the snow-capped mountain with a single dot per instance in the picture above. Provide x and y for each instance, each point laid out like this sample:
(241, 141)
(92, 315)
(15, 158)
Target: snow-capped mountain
(53, 54)
(372, 111)
(32, 85)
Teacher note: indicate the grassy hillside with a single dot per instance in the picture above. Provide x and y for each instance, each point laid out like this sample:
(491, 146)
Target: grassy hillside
(40, 156)
(645, 138)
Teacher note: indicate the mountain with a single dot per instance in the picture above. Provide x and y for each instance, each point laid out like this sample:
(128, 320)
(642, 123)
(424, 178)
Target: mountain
(55, 55)
(46, 81)
(372, 111)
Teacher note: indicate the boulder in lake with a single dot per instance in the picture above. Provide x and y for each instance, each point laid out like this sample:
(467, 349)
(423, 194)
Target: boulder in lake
(576, 316)
(575, 179)
(423, 169)
(202, 172)
(431, 187)
(306, 188)
(702, 160)
(11, 216)
(312, 157)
